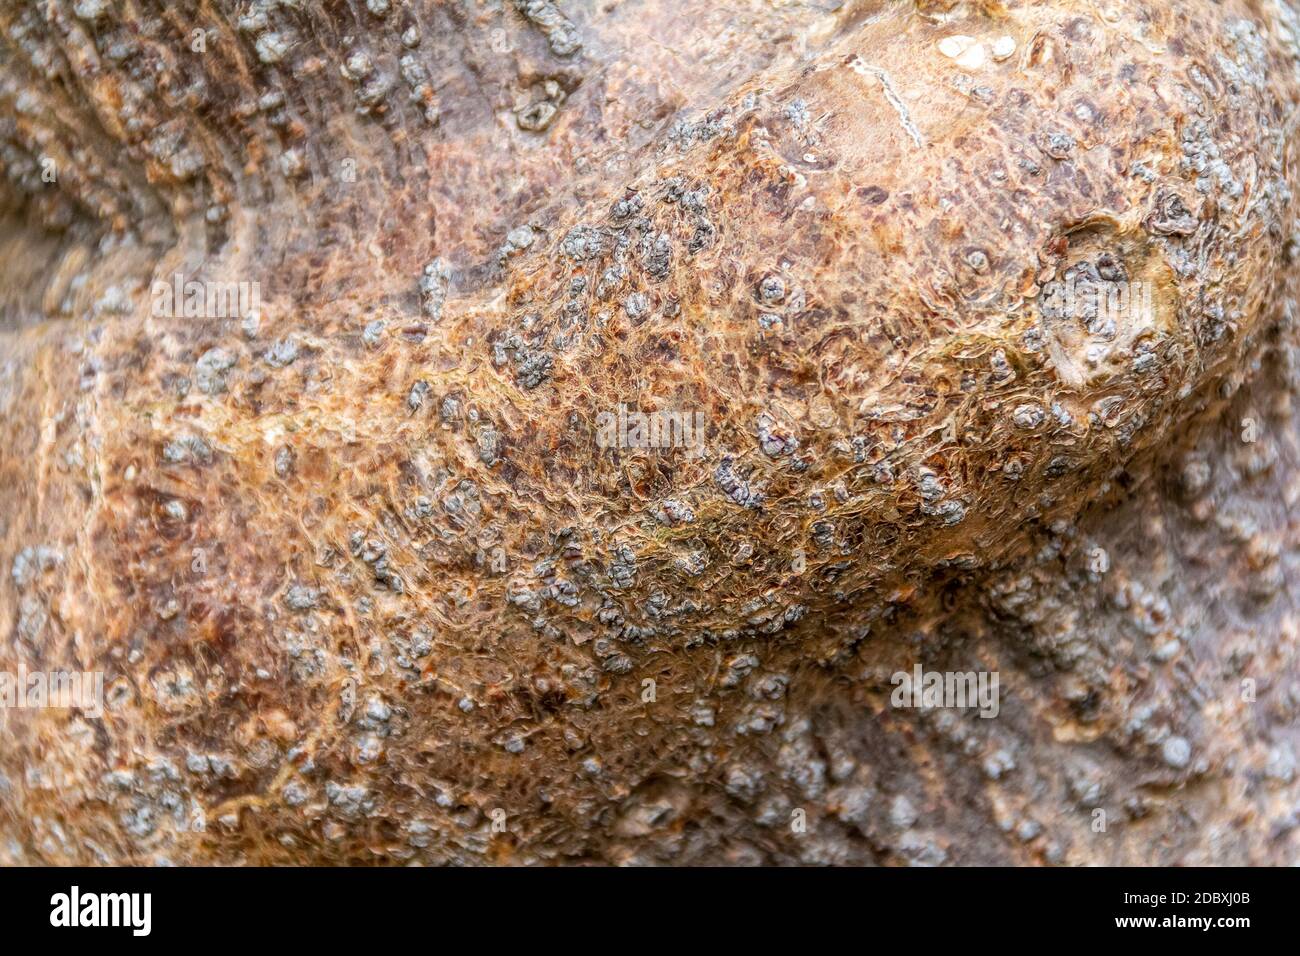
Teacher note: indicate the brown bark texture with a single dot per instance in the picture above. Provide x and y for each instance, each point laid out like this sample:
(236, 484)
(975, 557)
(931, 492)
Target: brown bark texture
(624, 395)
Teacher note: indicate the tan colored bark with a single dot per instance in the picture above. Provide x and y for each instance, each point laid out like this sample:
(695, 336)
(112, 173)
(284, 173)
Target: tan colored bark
(363, 582)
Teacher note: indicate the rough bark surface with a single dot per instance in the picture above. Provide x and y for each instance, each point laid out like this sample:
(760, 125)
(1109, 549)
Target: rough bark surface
(366, 587)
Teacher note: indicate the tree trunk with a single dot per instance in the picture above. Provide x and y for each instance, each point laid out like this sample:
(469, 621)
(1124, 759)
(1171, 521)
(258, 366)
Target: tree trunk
(555, 432)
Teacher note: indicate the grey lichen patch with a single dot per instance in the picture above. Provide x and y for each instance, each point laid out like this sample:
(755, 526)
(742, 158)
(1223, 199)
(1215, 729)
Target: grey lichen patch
(300, 597)
(585, 242)
(623, 566)
(734, 487)
(188, 449)
(418, 396)
(490, 445)
(91, 10)
(32, 562)
(517, 240)
(434, 286)
(373, 334)
(538, 114)
(281, 353)
(774, 440)
(532, 367)
(1028, 416)
(673, 512)
(210, 370)
(636, 305)
(284, 461)
(558, 29)
(271, 47)
(1176, 752)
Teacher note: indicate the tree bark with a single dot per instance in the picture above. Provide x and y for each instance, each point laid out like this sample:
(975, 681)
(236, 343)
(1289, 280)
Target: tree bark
(621, 398)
